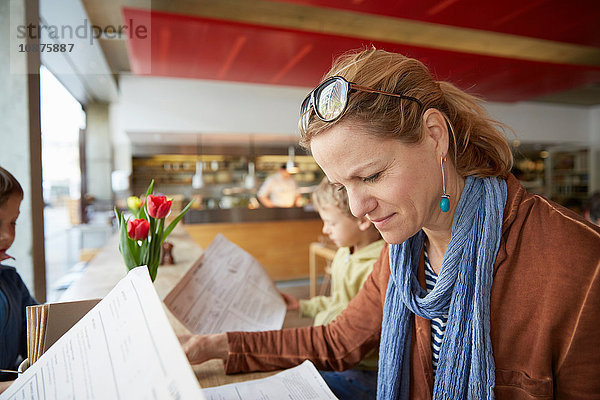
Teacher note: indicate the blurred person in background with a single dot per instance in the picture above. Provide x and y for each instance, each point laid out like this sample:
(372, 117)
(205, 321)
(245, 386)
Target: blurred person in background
(280, 190)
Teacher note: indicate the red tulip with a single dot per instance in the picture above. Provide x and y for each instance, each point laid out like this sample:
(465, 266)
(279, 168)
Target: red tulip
(158, 206)
(137, 229)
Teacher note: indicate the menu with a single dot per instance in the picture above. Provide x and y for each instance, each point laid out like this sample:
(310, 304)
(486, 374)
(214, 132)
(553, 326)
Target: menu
(226, 290)
(124, 348)
(299, 383)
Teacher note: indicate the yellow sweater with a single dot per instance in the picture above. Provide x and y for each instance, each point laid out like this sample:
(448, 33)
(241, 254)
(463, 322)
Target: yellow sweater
(348, 274)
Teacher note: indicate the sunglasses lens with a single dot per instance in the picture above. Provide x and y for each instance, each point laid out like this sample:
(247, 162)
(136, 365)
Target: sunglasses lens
(331, 99)
(305, 112)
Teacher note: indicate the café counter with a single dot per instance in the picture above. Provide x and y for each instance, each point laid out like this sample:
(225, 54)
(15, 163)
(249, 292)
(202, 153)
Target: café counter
(244, 214)
(280, 246)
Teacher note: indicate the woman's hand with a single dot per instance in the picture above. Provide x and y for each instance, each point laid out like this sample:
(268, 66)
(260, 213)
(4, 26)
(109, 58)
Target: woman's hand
(201, 348)
(291, 302)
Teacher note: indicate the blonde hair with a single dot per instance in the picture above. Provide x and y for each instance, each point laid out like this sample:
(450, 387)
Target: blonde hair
(477, 145)
(327, 194)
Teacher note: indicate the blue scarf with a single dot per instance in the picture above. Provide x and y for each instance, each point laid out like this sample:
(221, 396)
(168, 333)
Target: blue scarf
(466, 364)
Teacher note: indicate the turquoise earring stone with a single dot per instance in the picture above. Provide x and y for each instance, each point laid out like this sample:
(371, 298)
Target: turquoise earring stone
(445, 204)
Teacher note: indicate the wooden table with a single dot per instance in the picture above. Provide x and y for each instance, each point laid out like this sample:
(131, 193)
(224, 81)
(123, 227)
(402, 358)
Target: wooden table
(107, 268)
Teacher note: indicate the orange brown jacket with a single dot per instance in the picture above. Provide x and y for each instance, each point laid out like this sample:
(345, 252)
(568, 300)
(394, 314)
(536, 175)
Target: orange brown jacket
(545, 313)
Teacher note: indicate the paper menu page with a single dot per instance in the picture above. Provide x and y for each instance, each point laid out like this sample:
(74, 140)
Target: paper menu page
(124, 348)
(226, 290)
(299, 383)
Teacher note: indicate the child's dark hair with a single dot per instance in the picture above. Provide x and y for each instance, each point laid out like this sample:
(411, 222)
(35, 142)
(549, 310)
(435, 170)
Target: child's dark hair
(8, 186)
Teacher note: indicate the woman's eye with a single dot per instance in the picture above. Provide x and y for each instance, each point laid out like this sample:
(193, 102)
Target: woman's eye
(372, 178)
(340, 188)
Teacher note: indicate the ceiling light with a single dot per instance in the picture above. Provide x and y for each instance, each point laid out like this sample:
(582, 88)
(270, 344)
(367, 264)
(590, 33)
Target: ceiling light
(291, 165)
(250, 180)
(198, 179)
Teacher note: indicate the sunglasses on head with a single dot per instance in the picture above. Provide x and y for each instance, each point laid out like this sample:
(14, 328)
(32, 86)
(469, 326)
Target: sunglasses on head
(329, 100)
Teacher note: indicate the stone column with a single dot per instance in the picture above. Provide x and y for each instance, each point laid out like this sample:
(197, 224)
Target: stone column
(98, 152)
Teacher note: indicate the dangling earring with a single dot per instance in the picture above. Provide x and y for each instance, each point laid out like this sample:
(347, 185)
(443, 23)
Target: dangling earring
(445, 200)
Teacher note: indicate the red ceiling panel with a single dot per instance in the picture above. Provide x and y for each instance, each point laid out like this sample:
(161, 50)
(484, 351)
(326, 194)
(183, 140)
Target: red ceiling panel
(189, 47)
(572, 21)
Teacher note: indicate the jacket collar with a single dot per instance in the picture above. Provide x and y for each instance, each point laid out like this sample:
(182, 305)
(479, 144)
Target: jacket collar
(514, 197)
(515, 194)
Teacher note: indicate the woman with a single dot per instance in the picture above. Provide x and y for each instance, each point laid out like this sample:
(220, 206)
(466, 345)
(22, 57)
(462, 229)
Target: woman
(485, 290)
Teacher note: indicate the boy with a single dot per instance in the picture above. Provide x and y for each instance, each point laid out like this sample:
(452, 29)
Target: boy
(359, 247)
(14, 296)
(591, 210)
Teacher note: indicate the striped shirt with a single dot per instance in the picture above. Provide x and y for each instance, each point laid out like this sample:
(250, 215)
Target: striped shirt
(438, 325)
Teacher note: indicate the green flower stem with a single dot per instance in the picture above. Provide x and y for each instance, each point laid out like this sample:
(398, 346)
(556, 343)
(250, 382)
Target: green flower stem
(144, 252)
(159, 233)
(150, 254)
(176, 221)
(161, 226)
(155, 241)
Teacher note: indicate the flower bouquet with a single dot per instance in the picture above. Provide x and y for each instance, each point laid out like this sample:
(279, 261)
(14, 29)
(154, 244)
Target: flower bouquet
(141, 237)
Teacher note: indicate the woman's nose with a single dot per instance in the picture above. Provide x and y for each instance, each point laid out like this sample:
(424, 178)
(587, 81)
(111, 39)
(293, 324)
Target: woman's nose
(360, 202)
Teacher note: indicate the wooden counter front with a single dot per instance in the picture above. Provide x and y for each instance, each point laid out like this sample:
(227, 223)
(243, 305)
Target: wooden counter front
(281, 247)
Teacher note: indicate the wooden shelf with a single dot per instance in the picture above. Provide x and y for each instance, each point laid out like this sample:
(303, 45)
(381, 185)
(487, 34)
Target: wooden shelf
(569, 175)
(173, 174)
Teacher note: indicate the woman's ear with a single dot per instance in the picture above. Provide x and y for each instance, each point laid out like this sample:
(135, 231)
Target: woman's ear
(363, 223)
(436, 128)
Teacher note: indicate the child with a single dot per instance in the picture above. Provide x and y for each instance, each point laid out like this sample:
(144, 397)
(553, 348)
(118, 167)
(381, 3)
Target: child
(359, 247)
(591, 208)
(14, 296)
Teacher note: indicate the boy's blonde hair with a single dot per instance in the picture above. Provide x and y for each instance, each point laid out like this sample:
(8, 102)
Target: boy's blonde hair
(327, 194)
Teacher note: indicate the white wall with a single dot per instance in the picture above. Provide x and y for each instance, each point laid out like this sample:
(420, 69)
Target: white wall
(170, 105)
(152, 104)
(547, 123)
